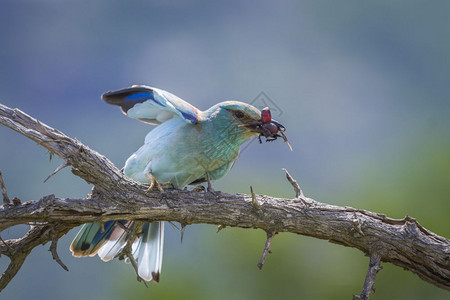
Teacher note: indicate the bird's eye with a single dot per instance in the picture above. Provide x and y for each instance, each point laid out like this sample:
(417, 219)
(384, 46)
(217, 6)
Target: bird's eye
(239, 114)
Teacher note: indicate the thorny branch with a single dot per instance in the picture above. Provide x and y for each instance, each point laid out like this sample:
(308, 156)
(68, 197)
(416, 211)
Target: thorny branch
(402, 242)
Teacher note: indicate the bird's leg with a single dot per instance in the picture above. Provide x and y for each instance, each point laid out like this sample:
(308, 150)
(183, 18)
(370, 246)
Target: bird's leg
(210, 188)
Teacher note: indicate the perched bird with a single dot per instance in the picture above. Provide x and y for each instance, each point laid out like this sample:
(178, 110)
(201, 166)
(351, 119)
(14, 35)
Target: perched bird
(188, 146)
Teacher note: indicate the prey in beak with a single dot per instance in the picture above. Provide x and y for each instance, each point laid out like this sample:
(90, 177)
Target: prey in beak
(269, 128)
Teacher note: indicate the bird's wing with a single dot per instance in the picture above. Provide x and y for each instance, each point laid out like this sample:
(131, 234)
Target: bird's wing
(151, 105)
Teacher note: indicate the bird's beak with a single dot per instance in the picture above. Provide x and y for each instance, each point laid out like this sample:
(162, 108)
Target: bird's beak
(254, 126)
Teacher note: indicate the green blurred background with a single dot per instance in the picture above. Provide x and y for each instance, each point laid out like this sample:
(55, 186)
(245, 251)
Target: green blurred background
(362, 87)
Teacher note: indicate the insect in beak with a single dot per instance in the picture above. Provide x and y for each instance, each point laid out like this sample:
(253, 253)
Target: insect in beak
(271, 129)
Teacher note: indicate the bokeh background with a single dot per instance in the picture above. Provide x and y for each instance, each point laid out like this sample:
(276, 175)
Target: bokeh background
(362, 87)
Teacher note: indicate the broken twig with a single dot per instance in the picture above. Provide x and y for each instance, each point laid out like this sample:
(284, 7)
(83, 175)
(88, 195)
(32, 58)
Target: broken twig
(62, 166)
(374, 267)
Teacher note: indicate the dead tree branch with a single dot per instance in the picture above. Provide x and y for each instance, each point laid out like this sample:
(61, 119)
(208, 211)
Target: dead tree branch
(403, 242)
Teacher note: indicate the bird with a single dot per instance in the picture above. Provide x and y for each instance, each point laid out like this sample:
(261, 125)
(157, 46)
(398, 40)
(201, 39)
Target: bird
(188, 146)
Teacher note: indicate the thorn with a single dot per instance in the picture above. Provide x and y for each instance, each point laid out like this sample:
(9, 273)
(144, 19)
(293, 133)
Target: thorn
(254, 201)
(55, 253)
(220, 227)
(266, 250)
(62, 166)
(6, 199)
(183, 228)
(295, 185)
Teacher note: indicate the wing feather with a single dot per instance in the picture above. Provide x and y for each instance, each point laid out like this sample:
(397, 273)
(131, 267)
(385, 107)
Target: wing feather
(151, 105)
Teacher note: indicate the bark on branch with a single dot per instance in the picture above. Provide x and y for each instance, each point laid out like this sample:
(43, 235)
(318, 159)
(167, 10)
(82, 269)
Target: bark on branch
(403, 242)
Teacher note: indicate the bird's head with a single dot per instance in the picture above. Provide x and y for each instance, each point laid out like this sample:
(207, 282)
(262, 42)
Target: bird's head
(241, 121)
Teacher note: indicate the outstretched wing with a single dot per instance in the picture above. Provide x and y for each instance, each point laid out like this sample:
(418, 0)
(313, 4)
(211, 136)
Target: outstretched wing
(151, 105)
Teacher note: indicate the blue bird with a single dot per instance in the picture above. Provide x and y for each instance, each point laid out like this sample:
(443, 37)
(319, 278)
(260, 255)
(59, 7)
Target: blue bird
(188, 146)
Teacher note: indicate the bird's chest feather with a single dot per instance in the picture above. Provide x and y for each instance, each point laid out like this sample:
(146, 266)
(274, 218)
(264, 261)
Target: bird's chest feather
(207, 147)
(183, 150)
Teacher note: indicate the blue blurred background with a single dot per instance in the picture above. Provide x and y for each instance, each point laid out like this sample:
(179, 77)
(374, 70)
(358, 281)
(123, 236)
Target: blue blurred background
(362, 87)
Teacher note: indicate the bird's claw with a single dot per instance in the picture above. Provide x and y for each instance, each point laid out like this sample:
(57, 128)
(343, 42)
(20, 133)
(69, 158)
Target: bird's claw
(154, 183)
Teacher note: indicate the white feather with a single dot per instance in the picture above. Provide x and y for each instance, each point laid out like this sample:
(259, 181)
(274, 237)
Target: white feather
(151, 251)
(111, 248)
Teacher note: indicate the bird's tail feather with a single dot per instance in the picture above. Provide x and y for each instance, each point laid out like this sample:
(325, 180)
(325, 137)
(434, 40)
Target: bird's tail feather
(108, 240)
(116, 241)
(90, 238)
(149, 251)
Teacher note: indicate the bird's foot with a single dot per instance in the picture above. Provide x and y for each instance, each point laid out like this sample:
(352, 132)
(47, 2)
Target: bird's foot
(155, 183)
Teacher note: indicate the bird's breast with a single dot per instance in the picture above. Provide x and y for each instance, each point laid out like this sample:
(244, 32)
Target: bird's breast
(181, 153)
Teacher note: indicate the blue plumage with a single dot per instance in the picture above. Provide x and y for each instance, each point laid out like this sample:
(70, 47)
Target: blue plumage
(140, 97)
